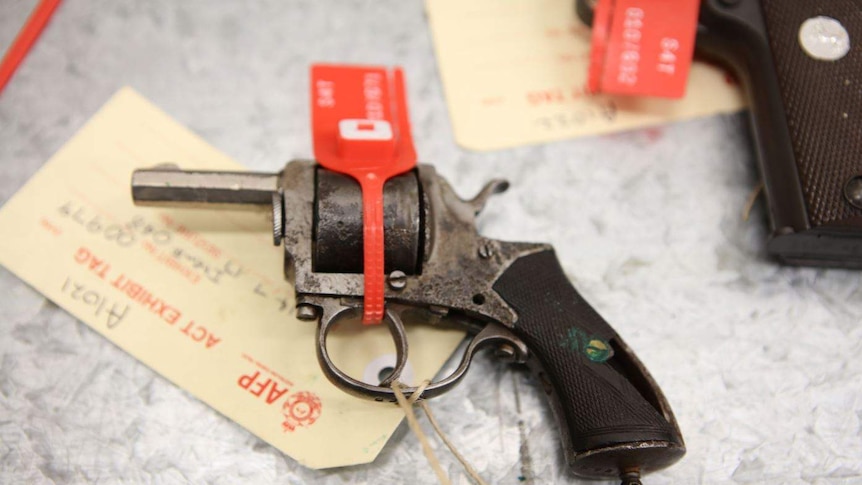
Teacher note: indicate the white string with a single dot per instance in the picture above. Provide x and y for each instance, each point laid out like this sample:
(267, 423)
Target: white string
(470, 470)
(407, 406)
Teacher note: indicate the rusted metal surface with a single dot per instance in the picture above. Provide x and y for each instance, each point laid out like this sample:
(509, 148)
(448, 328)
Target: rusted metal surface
(338, 237)
(320, 214)
(453, 271)
(172, 186)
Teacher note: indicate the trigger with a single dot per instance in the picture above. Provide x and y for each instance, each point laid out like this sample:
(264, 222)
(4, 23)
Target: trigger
(512, 349)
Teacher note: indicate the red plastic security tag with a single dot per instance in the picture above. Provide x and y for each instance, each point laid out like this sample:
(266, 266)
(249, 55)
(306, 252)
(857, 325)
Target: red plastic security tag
(361, 128)
(642, 47)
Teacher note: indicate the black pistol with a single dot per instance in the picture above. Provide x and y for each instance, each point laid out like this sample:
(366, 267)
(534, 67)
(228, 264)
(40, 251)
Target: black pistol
(800, 64)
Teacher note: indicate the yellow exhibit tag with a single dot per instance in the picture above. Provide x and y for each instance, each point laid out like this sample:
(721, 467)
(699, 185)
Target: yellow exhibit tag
(197, 295)
(515, 73)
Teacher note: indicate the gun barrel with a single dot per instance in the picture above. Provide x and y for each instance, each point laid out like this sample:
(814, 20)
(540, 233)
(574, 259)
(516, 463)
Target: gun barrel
(183, 188)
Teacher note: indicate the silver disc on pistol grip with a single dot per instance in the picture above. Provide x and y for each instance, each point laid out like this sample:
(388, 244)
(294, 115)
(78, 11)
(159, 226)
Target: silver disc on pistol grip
(824, 38)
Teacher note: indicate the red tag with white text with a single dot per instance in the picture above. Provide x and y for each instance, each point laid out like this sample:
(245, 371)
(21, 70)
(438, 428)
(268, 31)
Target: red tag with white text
(361, 128)
(642, 47)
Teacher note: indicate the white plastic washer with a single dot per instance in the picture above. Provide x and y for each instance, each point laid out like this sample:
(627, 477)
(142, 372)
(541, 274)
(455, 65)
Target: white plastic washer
(387, 361)
(824, 38)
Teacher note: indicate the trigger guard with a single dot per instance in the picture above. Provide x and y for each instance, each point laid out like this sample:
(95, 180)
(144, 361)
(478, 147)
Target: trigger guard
(343, 381)
(491, 334)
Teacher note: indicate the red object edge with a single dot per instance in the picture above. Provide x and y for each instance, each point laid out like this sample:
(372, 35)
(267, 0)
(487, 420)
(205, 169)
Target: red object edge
(370, 162)
(601, 31)
(25, 39)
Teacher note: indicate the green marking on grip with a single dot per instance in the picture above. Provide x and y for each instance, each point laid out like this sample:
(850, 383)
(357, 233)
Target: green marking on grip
(598, 350)
(595, 349)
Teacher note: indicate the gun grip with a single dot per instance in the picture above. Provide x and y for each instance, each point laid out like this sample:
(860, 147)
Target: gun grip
(612, 416)
(807, 115)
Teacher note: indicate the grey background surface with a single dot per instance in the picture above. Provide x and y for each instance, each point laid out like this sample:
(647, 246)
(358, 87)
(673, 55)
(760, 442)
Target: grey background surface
(761, 363)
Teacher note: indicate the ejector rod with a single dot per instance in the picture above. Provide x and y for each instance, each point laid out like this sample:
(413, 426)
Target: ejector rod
(174, 187)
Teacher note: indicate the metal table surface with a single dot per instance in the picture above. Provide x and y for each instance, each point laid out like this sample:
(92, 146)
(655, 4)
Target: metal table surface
(761, 363)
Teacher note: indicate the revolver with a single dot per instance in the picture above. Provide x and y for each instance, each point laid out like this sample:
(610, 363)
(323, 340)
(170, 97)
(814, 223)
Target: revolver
(800, 64)
(513, 297)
